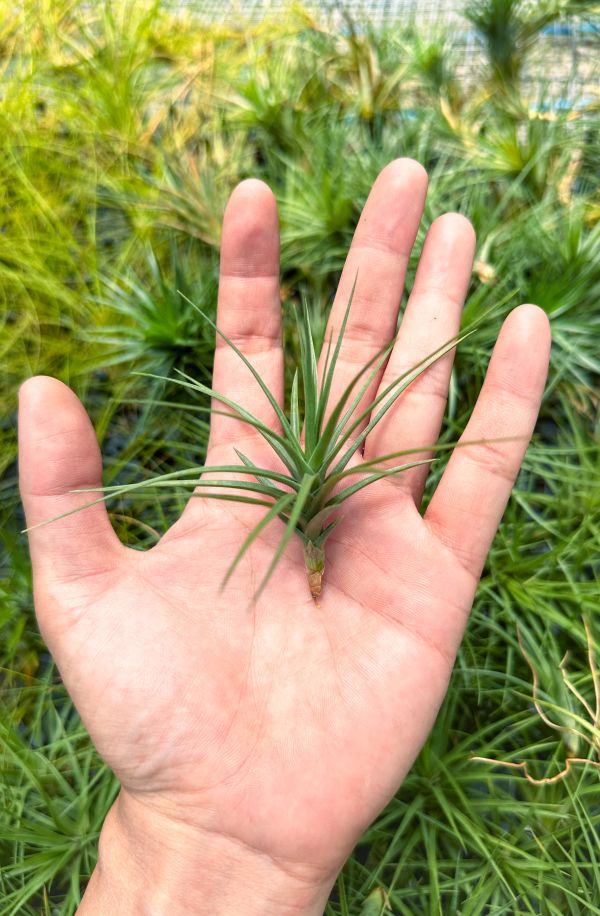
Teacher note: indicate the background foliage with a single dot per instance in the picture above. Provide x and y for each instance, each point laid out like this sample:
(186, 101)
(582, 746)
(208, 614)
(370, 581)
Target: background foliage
(123, 129)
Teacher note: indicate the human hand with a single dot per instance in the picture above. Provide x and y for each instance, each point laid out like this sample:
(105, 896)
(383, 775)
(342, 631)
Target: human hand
(255, 745)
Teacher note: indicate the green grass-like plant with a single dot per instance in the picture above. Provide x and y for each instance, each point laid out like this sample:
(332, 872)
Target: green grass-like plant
(148, 325)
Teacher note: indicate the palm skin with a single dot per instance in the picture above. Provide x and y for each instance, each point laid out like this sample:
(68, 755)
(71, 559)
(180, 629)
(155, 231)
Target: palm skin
(285, 726)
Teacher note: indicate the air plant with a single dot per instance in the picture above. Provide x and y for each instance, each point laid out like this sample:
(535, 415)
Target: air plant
(314, 447)
(148, 326)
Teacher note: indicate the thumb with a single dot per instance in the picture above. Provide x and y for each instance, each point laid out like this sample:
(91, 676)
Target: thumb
(58, 452)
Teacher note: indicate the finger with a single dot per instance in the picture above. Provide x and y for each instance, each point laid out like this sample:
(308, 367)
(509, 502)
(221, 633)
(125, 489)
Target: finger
(431, 317)
(380, 250)
(249, 313)
(58, 452)
(470, 499)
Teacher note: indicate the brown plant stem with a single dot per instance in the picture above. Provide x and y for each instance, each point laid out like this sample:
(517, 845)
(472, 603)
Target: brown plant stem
(314, 560)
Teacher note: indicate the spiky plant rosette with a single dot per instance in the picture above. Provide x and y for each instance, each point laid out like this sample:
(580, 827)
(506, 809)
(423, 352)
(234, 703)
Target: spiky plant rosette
(314, 448)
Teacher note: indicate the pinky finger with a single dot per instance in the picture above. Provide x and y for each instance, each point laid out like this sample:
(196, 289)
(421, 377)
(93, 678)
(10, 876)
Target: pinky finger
(470, 499)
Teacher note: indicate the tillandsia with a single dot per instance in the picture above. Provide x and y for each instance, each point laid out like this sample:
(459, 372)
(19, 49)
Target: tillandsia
(314, 447)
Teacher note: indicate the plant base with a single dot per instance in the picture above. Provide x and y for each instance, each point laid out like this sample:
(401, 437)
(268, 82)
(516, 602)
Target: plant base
(314, 559)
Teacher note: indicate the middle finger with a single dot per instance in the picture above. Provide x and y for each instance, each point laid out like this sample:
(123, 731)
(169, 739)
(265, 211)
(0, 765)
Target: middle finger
(380, 250)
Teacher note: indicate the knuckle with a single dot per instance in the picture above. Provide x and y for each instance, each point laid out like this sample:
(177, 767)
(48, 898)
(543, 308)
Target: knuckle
(494, 459)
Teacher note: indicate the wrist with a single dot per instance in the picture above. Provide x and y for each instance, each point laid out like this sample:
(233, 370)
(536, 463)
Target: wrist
(149, 865)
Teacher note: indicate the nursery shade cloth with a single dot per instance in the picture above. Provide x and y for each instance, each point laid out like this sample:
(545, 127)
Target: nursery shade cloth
(563, 74)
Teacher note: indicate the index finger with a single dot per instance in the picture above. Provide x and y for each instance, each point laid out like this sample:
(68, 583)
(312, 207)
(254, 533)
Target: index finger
(380, 251)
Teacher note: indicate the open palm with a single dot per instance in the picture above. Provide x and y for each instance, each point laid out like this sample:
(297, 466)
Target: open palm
(285, 725)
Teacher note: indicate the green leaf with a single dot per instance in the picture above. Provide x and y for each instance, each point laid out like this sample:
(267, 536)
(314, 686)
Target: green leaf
(308, 363)
(322, 453)
(177, 477)
(392, 392)
(329, 374)
(264, 388)
(343, 495)
(295, 408)
(290, 456)
(375, 904)
(300, 500)
(262, 474)
(276, 509)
